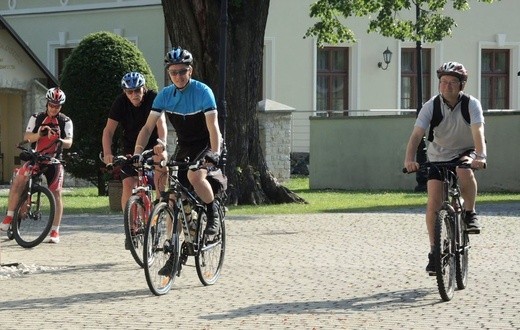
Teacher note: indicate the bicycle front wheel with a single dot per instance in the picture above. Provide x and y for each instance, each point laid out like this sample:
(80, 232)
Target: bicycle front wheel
(160, 242)
(135, 217)
(211, 250)
(462, 257)
(33, 217)
(444, 254)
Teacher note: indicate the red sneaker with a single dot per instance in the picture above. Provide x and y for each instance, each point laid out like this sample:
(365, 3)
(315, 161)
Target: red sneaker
(55, 237)
(4, 226)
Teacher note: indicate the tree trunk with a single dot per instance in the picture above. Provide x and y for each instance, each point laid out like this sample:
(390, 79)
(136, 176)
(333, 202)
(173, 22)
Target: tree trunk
(194, 25)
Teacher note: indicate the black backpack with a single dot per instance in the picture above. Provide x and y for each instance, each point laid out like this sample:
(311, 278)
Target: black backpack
(437, 114)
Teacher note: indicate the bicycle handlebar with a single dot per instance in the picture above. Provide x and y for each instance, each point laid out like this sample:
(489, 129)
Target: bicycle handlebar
(36, 156)
(128, 159)
(425, 166)
(192, 165)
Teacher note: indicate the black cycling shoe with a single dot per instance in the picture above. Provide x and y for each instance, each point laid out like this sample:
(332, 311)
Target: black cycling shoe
(213, 224)
(167, 269)
(128, 244)
(430, 268)
(472, 224)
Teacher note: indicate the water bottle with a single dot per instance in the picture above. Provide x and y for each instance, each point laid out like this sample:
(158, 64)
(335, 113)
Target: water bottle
(193, 223)
(187, 212)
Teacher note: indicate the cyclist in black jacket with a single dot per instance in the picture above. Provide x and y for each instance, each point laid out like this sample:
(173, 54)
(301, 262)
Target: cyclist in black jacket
(130, 110)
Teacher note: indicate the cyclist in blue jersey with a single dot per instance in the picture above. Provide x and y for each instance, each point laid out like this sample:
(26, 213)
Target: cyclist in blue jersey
(192, 110)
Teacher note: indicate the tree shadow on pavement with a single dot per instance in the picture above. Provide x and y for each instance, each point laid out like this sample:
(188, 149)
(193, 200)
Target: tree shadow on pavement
(385, 301)
(64, 302)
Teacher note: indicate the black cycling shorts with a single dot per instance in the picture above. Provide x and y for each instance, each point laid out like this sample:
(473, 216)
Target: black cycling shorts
(435, 174)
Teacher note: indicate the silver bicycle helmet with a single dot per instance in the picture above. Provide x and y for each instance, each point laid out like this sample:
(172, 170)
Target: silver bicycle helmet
(132, 80)
(453, 69)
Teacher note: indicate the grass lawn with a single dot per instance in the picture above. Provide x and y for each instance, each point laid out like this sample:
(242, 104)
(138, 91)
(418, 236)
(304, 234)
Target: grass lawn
(85, 200)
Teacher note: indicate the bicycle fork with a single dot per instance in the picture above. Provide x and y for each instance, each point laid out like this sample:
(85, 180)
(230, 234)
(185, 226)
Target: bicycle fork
(460, 245)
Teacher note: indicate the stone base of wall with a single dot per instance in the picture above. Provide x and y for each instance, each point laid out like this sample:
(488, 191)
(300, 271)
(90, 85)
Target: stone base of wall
(299, 163)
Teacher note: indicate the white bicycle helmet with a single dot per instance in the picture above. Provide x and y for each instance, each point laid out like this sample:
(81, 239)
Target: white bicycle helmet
(55, 96)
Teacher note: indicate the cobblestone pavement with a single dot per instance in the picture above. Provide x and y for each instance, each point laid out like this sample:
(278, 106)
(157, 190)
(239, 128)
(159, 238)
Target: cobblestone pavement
(317, 271)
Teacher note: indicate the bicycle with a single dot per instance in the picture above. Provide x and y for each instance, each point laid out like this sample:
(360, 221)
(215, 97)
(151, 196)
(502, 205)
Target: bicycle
(451, 239)
(34, 213)
(139, 206)
(176, 228)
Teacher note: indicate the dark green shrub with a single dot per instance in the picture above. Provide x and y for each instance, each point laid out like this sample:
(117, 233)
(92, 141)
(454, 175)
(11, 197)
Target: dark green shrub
(91, 80)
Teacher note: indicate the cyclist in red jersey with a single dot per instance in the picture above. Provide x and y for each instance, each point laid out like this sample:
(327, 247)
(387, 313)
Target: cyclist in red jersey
(45, 129)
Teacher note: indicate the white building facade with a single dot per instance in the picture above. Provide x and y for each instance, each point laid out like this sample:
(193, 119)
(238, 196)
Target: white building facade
(344, 79)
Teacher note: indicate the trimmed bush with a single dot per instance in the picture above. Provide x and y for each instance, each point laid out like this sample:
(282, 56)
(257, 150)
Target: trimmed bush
(91, 80)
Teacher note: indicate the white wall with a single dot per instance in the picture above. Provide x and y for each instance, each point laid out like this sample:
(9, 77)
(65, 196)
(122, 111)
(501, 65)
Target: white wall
(290, 67)
(60, 27)
(370, 87)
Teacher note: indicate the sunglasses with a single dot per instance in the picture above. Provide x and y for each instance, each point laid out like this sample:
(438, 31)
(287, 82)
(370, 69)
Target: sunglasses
(132, 91)
(54, 106)
(181, 72)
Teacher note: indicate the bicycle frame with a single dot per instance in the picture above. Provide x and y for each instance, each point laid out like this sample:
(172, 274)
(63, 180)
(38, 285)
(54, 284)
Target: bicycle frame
(180, 196)
(166, 249)
(36, 168)
(28, 228)
(139, 205)
(142, 188)
(451, 238)
(452, 201)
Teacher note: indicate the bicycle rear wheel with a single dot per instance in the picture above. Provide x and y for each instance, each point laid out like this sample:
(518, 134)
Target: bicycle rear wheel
(211, 250)
(33, 217)
(462, 257)
(135, 217)
(160, 241)
(444, 254)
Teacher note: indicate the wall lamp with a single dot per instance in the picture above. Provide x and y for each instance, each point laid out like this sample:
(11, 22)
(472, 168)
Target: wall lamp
(387, 57)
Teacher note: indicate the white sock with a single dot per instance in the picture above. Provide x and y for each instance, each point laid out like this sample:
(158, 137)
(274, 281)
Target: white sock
(57, 228)
(10, 213)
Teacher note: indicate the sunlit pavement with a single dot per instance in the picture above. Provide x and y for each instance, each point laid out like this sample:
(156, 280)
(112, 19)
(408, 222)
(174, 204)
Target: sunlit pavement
(318, 271)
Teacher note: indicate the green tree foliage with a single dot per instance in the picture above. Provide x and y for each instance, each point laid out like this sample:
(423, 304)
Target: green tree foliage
(91, 80)
(385, 18)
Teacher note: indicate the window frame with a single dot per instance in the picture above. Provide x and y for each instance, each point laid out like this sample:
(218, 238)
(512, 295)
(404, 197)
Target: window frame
(412, 76)
(493, 76)
(331, 74)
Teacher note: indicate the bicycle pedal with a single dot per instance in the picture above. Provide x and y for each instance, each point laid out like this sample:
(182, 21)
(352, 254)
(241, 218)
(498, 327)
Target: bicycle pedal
(473, 231)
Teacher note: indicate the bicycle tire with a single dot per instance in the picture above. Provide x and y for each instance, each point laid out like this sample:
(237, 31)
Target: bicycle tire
(462, 258)
(160, 241)
(211, 250)
(444, 255)
(135, 217)
(33, 217)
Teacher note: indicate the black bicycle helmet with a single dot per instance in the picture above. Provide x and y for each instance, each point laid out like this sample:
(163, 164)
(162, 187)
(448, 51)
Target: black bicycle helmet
(454, 69)
(178, 56)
